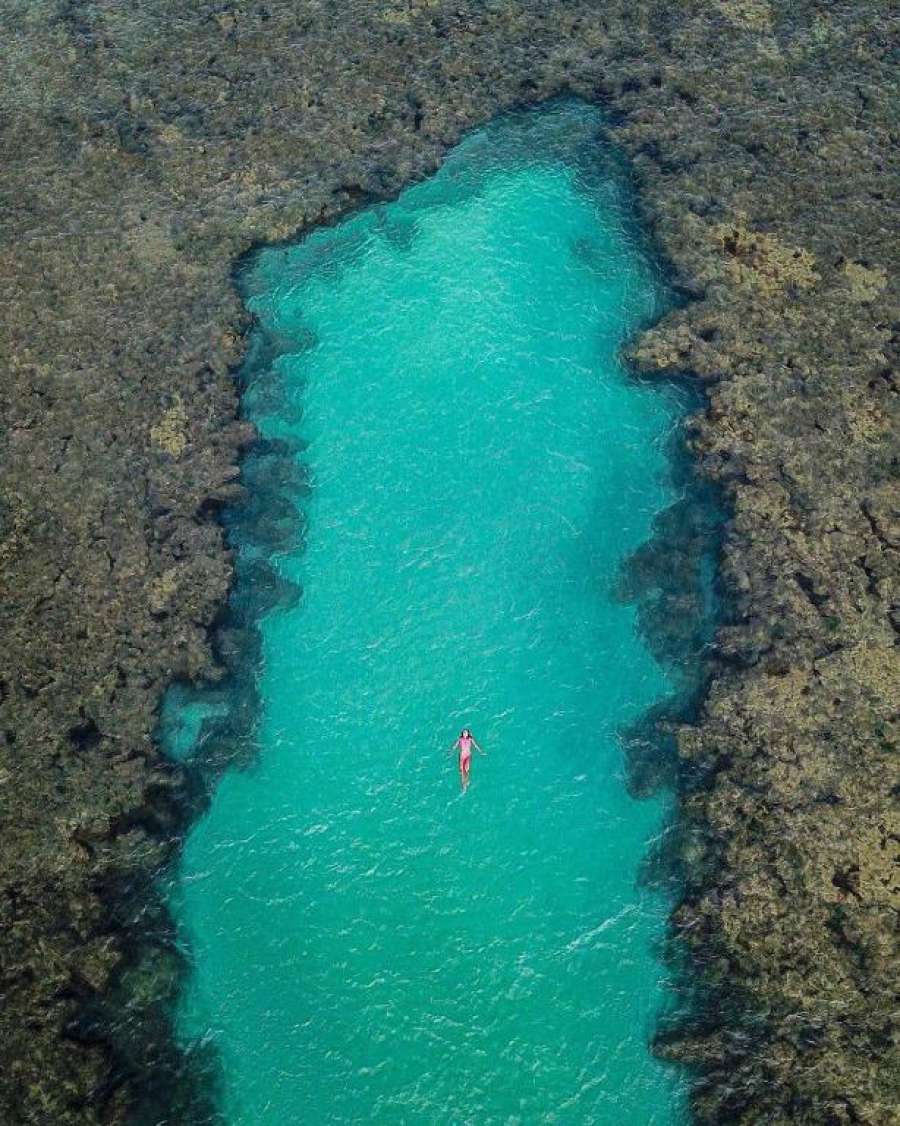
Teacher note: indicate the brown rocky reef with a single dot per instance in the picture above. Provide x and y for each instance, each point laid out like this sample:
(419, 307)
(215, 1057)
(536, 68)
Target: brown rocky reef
(143, 148)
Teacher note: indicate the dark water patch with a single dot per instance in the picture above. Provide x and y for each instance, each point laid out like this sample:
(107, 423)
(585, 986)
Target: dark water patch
(672, 580)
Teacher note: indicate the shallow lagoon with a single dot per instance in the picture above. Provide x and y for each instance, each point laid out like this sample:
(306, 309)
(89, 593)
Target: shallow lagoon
(368, 944)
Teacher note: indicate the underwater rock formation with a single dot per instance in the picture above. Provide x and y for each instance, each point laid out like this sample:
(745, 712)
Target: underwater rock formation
(142, 151)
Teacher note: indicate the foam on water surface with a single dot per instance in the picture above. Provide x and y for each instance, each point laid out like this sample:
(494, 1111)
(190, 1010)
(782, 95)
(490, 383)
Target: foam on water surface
(367, 944)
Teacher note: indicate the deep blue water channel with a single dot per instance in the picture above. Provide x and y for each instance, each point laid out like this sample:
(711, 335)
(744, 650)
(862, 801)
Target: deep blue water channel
(368, 944)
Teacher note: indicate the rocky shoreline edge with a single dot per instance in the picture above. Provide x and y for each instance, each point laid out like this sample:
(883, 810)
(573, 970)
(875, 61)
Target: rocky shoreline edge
(142, 154)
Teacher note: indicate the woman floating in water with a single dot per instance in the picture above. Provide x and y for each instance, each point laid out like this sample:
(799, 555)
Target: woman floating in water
(466, 742)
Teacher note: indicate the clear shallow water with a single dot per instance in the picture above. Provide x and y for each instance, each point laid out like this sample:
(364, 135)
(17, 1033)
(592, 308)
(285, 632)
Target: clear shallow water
(368, 944)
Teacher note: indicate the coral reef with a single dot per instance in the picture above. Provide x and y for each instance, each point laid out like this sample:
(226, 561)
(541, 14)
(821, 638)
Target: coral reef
(143, 149)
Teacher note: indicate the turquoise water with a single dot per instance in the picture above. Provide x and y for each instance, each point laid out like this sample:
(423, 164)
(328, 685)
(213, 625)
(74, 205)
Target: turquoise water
(368, 944)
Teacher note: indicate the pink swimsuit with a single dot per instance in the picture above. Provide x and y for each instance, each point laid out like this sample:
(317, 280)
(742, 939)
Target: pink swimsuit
(465, 749)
